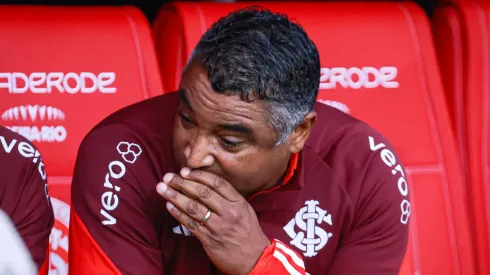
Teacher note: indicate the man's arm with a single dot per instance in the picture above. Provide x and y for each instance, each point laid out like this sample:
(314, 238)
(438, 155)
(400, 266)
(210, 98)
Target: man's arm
(26, 199)
(14, 255)
(377, 240)
(36, 226)
(279, 259)
(112, 224)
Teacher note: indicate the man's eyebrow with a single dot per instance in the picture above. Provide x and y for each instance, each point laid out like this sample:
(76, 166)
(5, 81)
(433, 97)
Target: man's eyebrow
(184, 99)
(239, 128)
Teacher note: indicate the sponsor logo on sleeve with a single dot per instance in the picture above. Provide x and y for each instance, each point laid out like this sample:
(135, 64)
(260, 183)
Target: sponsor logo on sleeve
(129, 153)
(389, 160)
(27, 151)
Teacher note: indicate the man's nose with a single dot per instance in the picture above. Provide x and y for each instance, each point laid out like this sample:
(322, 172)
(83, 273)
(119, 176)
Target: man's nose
(198, 153)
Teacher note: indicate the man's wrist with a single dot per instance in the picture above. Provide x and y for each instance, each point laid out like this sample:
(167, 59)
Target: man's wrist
(257, 254)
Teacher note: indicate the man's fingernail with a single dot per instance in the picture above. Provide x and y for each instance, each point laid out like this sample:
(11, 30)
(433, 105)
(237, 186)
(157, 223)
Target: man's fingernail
(208, 161)
(185, 172)
(170, 206)
(168, 177)
(162, 187)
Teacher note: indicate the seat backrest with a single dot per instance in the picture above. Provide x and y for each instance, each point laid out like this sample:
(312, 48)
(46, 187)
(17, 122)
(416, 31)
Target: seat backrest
(461, 30)
(378, 63)
(62, 70)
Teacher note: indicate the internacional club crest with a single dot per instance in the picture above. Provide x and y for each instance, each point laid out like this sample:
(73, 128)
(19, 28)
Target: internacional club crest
(310, 237)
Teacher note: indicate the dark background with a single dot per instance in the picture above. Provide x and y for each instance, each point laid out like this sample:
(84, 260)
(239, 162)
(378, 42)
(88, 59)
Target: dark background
(150, 8)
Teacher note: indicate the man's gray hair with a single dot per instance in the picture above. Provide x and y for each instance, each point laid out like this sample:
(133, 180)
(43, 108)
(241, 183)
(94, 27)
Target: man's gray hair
(257, 54)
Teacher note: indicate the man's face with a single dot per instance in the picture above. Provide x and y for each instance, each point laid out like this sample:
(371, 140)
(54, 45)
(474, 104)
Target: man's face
(226, 136)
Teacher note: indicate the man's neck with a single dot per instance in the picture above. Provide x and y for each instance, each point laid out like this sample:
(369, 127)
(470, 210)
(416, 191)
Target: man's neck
(269, 186)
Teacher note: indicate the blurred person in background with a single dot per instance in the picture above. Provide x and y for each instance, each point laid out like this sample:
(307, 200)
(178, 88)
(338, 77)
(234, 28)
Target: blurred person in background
(24, 196)
(240, 171)
(14, 256)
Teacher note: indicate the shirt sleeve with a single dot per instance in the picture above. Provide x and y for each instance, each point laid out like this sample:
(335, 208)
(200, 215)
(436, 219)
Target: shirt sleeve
(33, 216)
(112, 222)
(279, 259)
(376, 240)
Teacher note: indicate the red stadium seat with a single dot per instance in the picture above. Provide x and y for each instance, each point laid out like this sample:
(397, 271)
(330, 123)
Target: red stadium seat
(62, 70)
(461, 31)
(378, 64)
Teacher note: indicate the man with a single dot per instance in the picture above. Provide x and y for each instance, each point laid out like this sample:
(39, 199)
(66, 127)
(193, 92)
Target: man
(24, 194)
(255, 178)
(14, 256)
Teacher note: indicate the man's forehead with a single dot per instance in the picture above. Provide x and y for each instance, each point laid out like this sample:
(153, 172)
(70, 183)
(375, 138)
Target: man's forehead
(227, 105)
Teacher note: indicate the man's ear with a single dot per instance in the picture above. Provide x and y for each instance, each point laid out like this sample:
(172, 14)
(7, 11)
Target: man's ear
(301, 133)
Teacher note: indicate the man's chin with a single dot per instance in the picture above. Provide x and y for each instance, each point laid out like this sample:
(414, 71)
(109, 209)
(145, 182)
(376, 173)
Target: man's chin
(179, 163)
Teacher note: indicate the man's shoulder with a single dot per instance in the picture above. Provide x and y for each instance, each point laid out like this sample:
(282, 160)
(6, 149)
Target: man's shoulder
(133, 145)
(154, 112)
(148, 123)
(18, 155)
(351, 147)
(7, 135)
(118, 166)
(365, 166)
(23, 177)
(334, 129)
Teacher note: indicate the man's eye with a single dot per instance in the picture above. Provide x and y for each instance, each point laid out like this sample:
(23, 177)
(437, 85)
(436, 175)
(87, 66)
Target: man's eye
(184, 118)
(230, 143)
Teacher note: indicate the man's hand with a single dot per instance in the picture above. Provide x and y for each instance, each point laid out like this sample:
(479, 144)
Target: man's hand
(231, 234)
